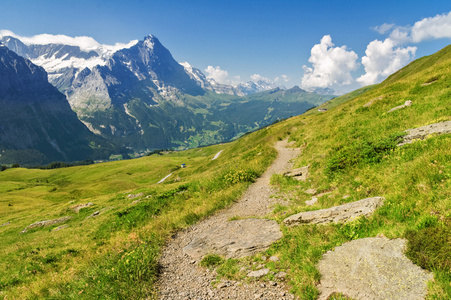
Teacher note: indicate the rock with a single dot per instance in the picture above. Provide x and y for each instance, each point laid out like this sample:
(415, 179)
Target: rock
(272, 283)
(372, 268)
(346, 197)
(281, 275)
(5, 224)
(310, 191)
(406, 104)
(368, 104)
(46, 223)
(274, 258)
(77, 208)
(133, 196)
(235, 239)
(336, 214)
(421, 133)
(258, 273)
(300, 174)
(263, 257)
(311, 202)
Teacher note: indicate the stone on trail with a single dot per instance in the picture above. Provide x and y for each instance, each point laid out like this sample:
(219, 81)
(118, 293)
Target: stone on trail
(337, 214)
(235, 239)
(258, 273)
(421, 133)
(300, 174)
(372, 268)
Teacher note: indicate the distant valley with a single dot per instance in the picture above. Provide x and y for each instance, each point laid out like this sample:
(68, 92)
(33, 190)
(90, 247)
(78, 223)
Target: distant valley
(136, 98)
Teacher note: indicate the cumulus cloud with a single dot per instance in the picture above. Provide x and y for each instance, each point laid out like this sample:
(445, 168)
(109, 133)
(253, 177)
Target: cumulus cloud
(382, 59)
(383, 28)
(85, 43)
(217, 74)
(432, 28)
(330, 65)
(258, 77)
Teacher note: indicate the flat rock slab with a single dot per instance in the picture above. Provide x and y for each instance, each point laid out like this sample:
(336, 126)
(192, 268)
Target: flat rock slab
(300, 174)
(372, 268)
(235, 239)
(337, 214)
(421, 133)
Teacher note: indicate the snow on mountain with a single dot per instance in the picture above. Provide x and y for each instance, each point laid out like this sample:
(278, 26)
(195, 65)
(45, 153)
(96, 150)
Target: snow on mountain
(57, 53)
(65, 57)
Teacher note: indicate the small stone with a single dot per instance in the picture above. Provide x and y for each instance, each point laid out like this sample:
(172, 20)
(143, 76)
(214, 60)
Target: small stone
(282, 294)
(281, 275)
(310, 191)
(262, 285)
(346, 196)
(274, 258)
(272, 283)
(311, 202)
(258, 296)
(263, 257)
(258, 273)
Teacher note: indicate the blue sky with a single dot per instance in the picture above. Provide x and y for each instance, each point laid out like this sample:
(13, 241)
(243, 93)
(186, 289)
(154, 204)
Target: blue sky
(262, 39)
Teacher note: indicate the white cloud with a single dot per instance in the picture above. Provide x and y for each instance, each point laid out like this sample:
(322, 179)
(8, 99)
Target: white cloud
(218, 75)
(258, 77)
(330, 65)
(383, 28)
(85, 43)
(432, 28)
(382, 59)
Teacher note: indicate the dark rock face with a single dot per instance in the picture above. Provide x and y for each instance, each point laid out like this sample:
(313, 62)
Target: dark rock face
(37, 124)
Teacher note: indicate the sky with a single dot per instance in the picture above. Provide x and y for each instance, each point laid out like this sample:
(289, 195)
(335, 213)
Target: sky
(341, 45)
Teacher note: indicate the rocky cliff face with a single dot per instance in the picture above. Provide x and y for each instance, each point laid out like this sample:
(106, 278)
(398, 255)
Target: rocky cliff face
(37, 124)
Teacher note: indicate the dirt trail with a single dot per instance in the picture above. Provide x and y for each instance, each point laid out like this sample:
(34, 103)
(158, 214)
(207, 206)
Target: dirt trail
(182, 278)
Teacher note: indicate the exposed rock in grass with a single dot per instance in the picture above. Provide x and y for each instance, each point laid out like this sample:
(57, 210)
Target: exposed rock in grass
(312, 202)
(368, 104)
(133, 196)
(406, 104)
(78, 207)
(258, 273)
(300, 174)
(234, 239)
(372, 268)
(421, 133)
(60, 227)
(310, 191)
(46, 223)
(337, 214)
(5, 224)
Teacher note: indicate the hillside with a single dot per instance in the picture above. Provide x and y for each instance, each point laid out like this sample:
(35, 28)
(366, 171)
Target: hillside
(37, 125)
(112, 247)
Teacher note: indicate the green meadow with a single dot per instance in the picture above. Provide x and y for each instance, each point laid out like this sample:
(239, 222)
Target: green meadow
(352, 152)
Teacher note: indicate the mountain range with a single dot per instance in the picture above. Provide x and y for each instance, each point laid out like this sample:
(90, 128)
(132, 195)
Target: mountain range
(138, 96)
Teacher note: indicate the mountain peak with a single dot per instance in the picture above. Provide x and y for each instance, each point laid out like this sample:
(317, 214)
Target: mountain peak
(150, 40)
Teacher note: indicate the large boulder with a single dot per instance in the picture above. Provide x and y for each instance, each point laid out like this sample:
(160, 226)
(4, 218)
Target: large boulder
(337, 214)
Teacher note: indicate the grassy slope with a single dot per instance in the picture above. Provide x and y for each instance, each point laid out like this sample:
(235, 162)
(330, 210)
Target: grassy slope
(351, 151)
(114, 253)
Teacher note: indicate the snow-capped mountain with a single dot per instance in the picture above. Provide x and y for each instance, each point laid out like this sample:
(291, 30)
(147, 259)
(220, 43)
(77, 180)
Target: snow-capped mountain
(138, 96)
(64, 58)
(57, 54)
(37, 125)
